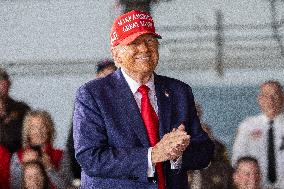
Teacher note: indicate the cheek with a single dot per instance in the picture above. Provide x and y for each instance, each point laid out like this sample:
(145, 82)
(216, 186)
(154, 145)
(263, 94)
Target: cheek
(127, 61)
(4, 89)
(263, 103)
(155, 55)
(34, 134)
(38, 136)
(129, 56)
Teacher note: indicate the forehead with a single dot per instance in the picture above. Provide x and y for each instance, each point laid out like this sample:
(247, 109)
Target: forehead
(4, 81)
(247, 166)
(144, 37)
(36, 120)
(270, 88)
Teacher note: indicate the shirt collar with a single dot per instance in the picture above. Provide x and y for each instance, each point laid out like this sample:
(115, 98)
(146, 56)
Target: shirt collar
(276, 118)
(134, 85)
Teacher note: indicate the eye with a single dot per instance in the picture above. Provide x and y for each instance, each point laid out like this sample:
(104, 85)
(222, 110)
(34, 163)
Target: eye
(134, 43)
(151, 41)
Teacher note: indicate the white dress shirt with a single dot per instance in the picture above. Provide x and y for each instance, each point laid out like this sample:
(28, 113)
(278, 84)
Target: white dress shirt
(153, 99)
(252, 140)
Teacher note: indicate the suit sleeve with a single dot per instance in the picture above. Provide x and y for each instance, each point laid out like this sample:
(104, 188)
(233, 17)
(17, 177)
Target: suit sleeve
(93, 152)
(201, 148)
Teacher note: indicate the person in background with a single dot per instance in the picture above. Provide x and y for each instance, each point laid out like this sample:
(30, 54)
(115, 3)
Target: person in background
(34, 176)
(74, 165)
(262, 136)
(219, 174)
(134, 128)
(105, 67)
(12, 113)
(247, 174)
(38, 136)
(5, 157)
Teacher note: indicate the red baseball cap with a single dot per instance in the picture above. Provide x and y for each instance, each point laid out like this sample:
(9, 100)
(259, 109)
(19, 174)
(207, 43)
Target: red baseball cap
(127, 27)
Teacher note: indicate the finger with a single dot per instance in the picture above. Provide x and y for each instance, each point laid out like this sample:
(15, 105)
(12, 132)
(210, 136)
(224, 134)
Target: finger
(180, 131)
(174, 155)
(181, 139)
(174, 142)
(171, 156)
(183, 148)
(185, 143)
(181, 127)
(174, 129)
(186, 138)
(177, 134)
(180, 148)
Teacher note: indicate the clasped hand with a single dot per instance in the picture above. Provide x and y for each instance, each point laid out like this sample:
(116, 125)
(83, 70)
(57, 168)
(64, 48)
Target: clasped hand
(31, 155)
(171, 146)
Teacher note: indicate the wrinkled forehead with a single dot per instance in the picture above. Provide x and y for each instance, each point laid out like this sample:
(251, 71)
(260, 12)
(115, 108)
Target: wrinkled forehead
(270, 88)
(144, 37)
(248, 167)
(36, 120)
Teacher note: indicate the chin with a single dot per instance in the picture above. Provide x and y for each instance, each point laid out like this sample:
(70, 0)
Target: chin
(148, 71)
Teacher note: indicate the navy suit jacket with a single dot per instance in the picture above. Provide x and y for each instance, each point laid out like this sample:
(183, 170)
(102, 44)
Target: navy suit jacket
(110, 139)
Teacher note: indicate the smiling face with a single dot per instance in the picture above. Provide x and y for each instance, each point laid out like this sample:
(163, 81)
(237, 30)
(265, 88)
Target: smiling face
(38, 131)
(140, 57)
(38, 128)
(247, 176)
(270, 99)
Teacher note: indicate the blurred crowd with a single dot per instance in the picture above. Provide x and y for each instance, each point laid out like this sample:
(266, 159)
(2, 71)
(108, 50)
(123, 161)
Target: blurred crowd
(29, 160)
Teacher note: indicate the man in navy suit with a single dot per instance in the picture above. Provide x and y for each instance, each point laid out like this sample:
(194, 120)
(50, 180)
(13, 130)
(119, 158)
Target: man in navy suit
(134, 129)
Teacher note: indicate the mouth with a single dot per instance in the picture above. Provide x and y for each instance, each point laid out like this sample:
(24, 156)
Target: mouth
(144, 58)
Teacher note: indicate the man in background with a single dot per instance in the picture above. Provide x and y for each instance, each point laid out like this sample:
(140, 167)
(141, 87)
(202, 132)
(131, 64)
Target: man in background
(12, 113)
(247, 174)
(262, 136)
(105, 67)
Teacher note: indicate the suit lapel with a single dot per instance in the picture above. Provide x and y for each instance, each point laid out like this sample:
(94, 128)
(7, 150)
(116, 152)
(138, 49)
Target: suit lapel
(164, 104)
(128, 106)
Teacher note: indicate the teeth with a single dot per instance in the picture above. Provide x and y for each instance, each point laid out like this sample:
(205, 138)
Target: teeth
(144, 58)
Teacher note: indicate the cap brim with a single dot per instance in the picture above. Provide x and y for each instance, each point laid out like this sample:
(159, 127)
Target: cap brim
(131, 38)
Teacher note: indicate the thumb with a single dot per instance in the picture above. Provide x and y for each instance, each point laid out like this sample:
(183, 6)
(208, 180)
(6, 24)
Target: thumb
(181, 127)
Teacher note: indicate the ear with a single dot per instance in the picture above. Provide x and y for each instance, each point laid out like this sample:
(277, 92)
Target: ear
(258, 98)
(115, 52)
(236, 177)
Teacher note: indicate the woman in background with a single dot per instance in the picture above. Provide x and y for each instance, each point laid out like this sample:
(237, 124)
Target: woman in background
(38, 135)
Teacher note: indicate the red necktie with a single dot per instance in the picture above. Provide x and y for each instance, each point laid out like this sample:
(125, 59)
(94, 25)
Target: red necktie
(151, 123)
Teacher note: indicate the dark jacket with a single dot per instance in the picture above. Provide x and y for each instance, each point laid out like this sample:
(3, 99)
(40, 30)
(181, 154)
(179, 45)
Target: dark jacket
(11, 125)
(110, 139)
(219, 174)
